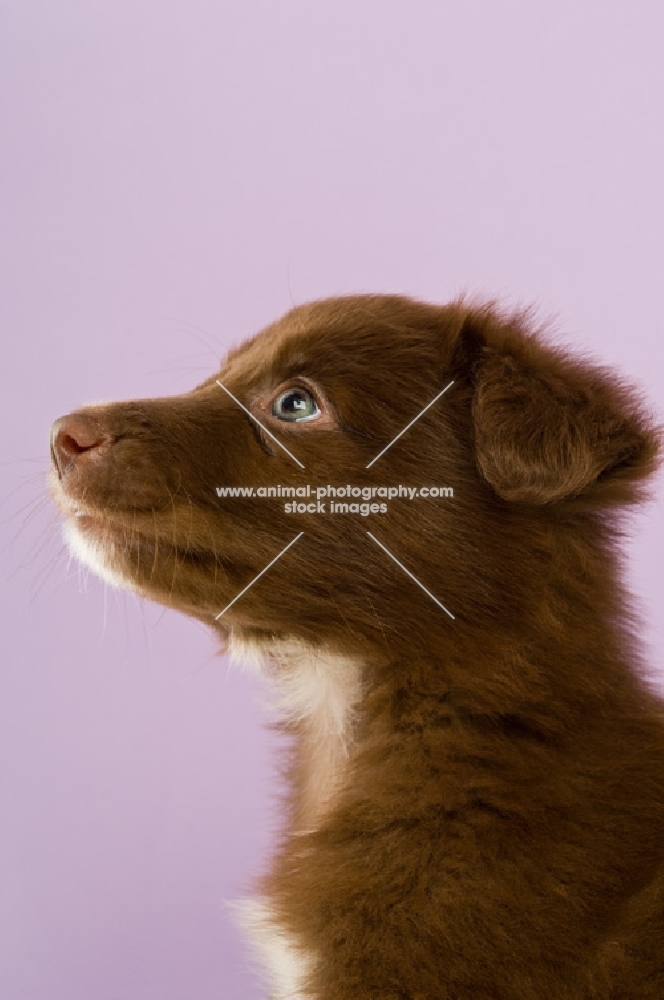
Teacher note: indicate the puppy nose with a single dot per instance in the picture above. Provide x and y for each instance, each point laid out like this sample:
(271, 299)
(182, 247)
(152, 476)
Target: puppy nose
(75, 435)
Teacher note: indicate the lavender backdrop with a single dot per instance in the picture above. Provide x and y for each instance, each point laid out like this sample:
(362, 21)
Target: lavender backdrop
(175, 175)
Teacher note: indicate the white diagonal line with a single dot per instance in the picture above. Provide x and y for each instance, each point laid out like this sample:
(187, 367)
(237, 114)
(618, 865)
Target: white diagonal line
(250, 414)
(217, 617)
(409, 425)
(408, 572)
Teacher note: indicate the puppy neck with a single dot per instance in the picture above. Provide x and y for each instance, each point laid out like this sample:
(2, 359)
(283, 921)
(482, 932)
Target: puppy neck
(316, 694)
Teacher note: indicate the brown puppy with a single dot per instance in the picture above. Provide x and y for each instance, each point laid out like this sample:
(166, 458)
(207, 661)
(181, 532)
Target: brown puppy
(477, 804)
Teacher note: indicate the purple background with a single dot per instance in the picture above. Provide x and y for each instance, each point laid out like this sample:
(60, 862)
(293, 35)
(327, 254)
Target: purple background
(174, 176)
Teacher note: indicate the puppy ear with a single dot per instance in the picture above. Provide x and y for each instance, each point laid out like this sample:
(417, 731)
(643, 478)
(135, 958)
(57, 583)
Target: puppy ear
(547, 426)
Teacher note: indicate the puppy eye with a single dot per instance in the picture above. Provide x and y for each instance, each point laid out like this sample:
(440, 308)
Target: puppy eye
(295, 405)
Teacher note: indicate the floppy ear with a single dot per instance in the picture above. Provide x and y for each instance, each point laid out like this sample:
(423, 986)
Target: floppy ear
(548, 426)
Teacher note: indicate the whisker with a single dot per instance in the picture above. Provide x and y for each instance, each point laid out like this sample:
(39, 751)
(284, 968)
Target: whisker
(199, 333)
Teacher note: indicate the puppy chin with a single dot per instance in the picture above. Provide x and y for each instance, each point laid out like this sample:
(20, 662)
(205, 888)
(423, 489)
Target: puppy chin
(96, 554)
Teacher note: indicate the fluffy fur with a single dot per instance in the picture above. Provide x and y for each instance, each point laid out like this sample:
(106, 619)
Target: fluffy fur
(477, 804)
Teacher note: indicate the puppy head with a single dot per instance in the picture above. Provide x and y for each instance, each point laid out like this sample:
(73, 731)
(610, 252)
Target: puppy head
(529, 441)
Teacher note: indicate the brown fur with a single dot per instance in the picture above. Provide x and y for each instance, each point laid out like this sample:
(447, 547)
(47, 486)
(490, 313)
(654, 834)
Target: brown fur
(496, 828)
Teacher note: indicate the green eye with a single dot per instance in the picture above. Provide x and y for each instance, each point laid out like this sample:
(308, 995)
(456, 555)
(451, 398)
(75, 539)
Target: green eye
(295, 405)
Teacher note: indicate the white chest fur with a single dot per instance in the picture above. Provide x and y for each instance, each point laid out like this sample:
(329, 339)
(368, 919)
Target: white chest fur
(283, 964)
(319, 691)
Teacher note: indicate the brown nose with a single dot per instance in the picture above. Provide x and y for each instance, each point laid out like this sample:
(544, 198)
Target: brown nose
(75, 435)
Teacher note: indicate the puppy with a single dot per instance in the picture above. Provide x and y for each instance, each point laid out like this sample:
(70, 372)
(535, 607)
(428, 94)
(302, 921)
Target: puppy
(476, 759)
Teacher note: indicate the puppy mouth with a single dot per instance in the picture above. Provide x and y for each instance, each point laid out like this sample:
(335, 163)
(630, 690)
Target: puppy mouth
(118, 539)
